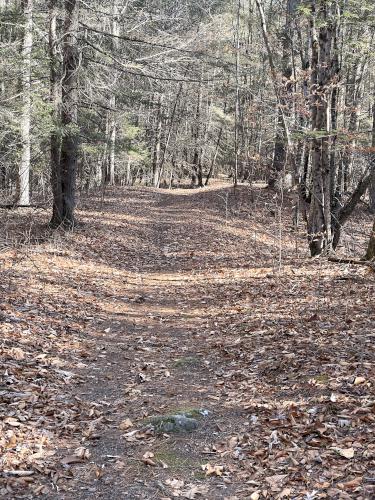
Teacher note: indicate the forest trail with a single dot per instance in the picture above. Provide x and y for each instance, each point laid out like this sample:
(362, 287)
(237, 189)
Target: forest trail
(186, 302)
(153, 342)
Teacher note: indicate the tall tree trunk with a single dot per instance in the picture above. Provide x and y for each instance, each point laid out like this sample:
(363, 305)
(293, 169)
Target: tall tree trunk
(319, 223)
(216, 152)
(157, 144)
(370, 255)
(237, 104)
(169, 135)
(197, 165)
(281, 112)
(112, 142)
(353, 103)
(335, 95)
(55, 98)
(113, 121)
(23, 194)
(280, 148)
(64, 214)
(371, 191)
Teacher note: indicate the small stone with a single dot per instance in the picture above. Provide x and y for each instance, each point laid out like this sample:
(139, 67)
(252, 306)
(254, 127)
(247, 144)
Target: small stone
(174, 423)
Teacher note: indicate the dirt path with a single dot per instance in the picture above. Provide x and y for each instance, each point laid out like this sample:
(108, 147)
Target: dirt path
(193, 302)
(153, 358)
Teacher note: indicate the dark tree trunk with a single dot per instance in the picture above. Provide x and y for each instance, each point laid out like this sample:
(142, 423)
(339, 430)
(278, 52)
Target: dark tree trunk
(320, 221)
(66, 175)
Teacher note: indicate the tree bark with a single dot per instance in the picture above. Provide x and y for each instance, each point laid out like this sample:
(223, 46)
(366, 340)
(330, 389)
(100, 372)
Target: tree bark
(371, 190)
(197, 165)
(237, 103)
(319, 222)
(113, 121)
(370, 255)
(65, 205)
(55, 98)
(157, 144)
(23, 194)
(344, 213)
(112, 142)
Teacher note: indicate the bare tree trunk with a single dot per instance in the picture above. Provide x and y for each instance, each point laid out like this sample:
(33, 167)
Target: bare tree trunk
(169, 135)
(55, 98)
(280, 149)
(370, 255)
(23, 194)
(353, 102)
(345, 212)
(69, 144)
(273, 72)
(319, 223)
(216, 152)
(129, 172)
(112, 142)
(113, 122)
(157, 146)
(237, 106)
(371, 191)
(197, 166)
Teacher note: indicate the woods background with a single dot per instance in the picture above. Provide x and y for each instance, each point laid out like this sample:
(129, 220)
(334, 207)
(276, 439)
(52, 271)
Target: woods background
(167, 93)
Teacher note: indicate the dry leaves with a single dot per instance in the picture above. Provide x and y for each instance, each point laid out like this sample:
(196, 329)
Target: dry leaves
(147, 458)
(346, 453)
(276, 353)
(126, 424)
(182, 490)
(213, 470)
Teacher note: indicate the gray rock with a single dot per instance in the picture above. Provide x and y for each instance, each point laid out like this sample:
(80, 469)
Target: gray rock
(174, 423)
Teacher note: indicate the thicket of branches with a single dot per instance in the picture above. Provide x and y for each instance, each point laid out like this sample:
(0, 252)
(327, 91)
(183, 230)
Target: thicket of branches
(96, 93)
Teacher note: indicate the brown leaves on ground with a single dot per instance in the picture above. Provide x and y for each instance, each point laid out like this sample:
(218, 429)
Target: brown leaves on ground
(166, 302)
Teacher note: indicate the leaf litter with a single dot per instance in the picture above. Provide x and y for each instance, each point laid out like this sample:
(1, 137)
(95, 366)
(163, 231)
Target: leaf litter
(94, 326)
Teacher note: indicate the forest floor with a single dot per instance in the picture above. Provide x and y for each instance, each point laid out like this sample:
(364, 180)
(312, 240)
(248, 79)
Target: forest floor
(198, 302)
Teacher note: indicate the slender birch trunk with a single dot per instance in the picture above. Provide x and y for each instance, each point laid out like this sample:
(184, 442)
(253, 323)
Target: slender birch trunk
(113, 121)
(371, 190)
(23, 194)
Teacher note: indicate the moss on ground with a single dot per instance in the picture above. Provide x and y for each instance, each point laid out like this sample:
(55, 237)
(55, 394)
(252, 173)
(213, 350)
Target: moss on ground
(187, 362)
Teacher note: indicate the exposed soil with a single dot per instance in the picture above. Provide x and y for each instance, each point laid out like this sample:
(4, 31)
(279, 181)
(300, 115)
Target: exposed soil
(203, 302)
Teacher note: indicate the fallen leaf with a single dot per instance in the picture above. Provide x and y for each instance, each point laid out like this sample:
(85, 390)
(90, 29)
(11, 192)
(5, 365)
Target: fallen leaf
(354, 483)
(147, 459)
(126, 424)
(359, 380)
(345, 452)
(213, 470)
